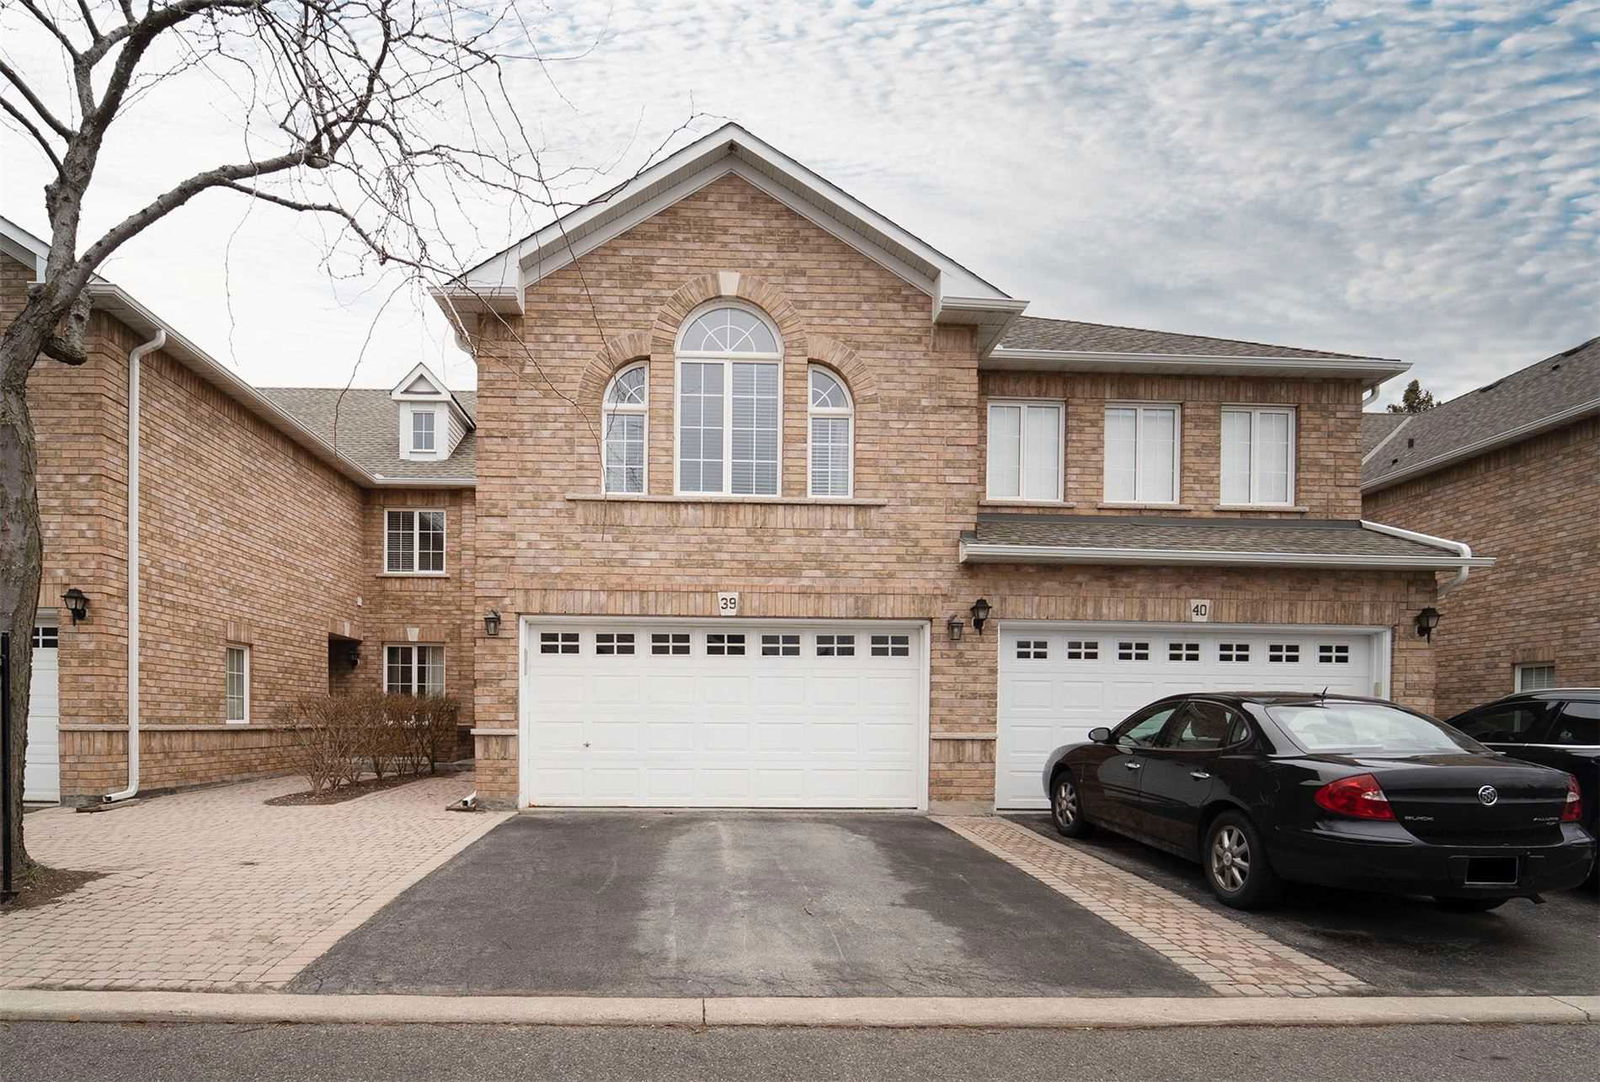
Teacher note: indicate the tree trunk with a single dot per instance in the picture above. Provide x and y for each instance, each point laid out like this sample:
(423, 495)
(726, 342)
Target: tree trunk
(21, 548)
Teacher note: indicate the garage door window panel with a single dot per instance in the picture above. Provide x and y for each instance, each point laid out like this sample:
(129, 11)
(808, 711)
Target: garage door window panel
(836, 645)
(1141, 454)
(891, 646)
(724, 645)
(613, 643)
(670, 643)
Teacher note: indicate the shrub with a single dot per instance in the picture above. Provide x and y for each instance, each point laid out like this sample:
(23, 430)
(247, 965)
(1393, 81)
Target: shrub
(337, 738)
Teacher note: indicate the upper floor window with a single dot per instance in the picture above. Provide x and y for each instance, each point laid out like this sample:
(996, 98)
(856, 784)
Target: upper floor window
(831, 417)
(1141, 454)
(729, 403)
(1025, 440)
(625, 422)
(424, 434)
(1257, 455)
(413, 542)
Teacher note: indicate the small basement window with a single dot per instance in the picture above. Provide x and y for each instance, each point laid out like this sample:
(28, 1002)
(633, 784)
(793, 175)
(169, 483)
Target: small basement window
(1535, 676)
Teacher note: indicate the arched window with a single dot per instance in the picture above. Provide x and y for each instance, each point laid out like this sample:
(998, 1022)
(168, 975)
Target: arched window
(623, 425)
(730, 383)
(830, 433)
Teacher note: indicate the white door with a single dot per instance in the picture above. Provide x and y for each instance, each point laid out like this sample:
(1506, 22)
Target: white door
(1058, 681)
(663, 713)
(41, 774)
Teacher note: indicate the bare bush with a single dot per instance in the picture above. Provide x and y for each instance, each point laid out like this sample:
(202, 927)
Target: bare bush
(336, 739)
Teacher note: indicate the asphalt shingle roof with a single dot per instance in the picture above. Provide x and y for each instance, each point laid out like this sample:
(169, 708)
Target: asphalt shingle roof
(362, 424)
(1549, 387)
(1029, 332)
(1319, 537)
(1375, 426)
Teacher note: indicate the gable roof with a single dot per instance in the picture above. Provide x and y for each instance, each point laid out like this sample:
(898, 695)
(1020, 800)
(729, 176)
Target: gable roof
(1545, 395)
(959, 295)
(1376, 428)
(360, 423)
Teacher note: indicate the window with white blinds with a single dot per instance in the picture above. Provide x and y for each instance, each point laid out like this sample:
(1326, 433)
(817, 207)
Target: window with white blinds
(413, 542)
(831, 417)
(1141, 463)
(729, 404)
(1257, 455)
(625, 417)
(1025, 449)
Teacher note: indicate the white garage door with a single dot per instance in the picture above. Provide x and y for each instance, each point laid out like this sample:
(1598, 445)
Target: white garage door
(41, 774)
(1058, 681)
(664, 713)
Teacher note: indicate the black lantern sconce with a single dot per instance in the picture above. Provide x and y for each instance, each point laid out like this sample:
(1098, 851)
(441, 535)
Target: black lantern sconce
(980, 614)
(491, 623)
(77, 603)
(1427, 620)
(954, 626)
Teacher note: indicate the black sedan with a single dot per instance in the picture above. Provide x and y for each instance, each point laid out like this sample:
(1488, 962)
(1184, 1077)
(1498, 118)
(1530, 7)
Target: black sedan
(1557, 727)
(1333, 790)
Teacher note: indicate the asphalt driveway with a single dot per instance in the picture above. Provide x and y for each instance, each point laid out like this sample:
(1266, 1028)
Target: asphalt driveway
(1399, 945)
(736, 903)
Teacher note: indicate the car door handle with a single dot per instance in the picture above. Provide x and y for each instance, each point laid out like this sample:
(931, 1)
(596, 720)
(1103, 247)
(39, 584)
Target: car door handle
(1132, 765)
(1199, 775)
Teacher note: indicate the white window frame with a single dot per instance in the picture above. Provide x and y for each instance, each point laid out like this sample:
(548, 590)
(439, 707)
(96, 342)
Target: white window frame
(726, 360)
(433, 418)
(416, 540)
(635, 409)
(413, 647)
(1022, 404)
(1520, 671)
(1255, 411)
(243, 650)
(847, 413)
(1140, 408)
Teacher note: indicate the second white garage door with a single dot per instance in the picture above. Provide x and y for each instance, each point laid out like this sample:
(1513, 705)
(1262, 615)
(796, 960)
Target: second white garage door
(664, 713)
(1058, 681)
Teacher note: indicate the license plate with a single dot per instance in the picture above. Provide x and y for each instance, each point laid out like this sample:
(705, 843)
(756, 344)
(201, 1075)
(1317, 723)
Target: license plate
(1491, 872)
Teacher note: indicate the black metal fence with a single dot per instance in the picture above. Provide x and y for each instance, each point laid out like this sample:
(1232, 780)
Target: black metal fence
(7, 857)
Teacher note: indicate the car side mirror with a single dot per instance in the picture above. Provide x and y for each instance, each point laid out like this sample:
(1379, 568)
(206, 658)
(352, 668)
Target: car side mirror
(1100, 735)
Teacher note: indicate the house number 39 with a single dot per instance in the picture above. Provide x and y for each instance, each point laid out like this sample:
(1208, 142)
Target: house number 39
(727, 604)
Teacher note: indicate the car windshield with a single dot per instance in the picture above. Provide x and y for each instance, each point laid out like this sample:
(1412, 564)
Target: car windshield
(1367, 727)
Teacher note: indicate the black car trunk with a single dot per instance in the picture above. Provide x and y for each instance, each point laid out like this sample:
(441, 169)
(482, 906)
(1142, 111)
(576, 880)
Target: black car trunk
(1466, 799)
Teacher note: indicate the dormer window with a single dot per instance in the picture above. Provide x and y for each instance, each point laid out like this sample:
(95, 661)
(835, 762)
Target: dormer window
(424, 432)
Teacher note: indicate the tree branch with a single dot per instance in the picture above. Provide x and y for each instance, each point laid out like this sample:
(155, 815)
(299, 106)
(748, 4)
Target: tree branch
(33, 101)
(38, 136)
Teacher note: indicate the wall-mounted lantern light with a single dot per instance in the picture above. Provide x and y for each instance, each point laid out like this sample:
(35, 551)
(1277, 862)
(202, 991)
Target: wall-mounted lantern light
(954, 626)
(77, 603)
(1427, 620)
(980, 614)
(491, 623)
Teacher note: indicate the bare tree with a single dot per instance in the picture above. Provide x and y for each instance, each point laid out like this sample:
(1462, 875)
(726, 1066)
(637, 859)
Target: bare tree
(375, 113)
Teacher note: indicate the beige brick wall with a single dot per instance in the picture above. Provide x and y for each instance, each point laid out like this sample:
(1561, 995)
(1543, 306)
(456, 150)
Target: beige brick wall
(547, 546)
(1535, 507)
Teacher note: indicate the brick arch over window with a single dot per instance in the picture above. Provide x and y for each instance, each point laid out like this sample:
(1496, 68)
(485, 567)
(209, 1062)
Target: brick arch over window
(731, 284)
(834, 354)
(620, 351)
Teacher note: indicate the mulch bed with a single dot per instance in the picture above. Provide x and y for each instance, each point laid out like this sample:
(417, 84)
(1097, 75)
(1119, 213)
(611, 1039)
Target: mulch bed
(346, 792)
(40, 886)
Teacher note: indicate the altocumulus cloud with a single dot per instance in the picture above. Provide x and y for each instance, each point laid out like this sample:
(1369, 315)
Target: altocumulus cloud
(1419, 180)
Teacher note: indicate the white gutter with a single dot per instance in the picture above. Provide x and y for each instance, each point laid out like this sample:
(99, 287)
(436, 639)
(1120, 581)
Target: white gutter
(1468, 562)
(135, 364)
(975, 552)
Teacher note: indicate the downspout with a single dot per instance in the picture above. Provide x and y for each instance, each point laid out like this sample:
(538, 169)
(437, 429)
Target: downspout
(1371, 396)
(1461, 548)
(135, 364)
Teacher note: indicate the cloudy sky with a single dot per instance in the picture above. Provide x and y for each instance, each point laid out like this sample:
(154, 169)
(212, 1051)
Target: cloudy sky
(1402, 179)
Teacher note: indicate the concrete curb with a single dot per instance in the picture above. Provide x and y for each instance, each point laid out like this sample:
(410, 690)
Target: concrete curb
(903, 1012)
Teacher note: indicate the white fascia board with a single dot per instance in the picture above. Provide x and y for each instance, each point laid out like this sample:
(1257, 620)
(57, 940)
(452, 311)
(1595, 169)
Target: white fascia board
(1373, 371)
(973, 552)
(24, 247)
(1484, 446)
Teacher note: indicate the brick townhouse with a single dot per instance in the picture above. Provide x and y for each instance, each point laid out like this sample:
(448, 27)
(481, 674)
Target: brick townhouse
(1511, 468)
(770, 503)
(265, 569)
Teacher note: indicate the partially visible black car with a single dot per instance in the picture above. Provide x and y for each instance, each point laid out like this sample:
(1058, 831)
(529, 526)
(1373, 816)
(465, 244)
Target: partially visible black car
(1557, 727)
(1333, 790)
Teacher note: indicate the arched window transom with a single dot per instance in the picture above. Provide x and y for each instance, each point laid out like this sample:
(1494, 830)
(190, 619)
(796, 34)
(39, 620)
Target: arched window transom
(730, 403)
(831, 436)
(624, 424)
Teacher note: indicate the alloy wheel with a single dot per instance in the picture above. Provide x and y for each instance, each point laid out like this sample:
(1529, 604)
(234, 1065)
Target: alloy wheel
(1230, 858)
(1066, 803)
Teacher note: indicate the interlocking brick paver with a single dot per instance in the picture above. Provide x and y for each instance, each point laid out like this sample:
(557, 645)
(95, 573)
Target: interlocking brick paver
(1229, 957)
(212, 889)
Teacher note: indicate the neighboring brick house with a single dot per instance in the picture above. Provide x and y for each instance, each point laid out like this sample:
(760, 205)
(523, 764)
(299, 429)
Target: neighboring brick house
(261, 570)
(1512, 468)
(761, 501)
(751, 456)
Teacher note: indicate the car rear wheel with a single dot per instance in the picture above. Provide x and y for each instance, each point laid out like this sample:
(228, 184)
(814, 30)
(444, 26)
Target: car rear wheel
(1236, 864)
(1470, 905)
(1066, 807)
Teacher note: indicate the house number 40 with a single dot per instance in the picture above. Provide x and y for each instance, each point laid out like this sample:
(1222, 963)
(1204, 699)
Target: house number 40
(1200, 611)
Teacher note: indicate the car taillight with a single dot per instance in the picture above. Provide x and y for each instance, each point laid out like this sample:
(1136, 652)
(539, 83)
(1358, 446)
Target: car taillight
(1360, 797)
(1572, 810)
